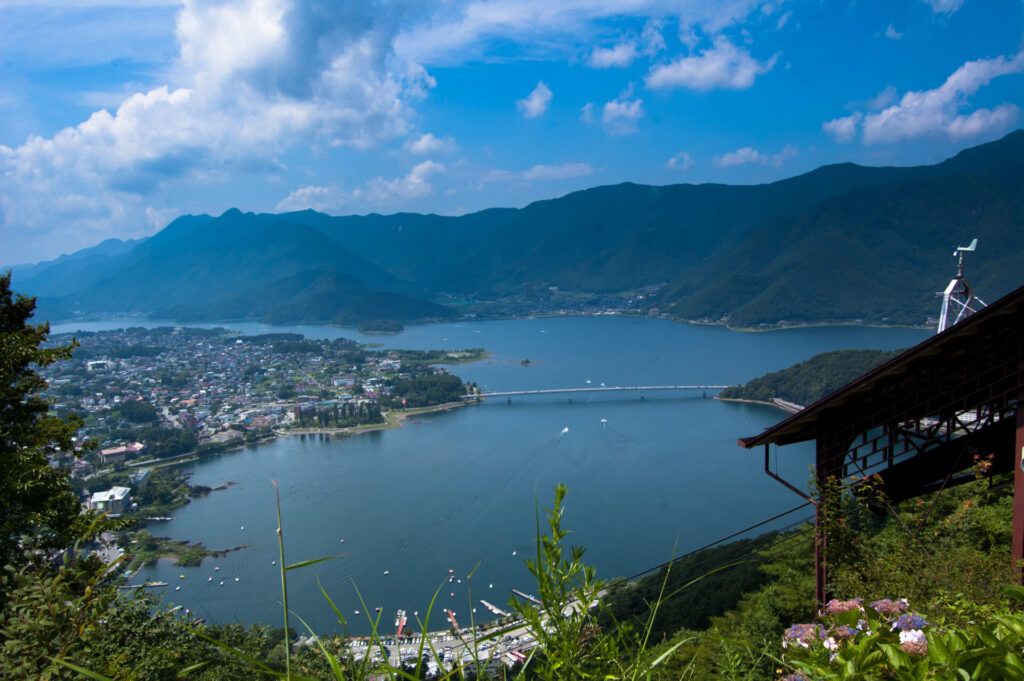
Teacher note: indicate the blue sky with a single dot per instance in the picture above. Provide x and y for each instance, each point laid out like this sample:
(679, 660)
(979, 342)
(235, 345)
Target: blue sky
(116, 116)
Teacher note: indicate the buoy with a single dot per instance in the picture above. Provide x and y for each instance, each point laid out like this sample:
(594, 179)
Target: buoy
(490, 586)
(243, 527)
(236, 579)
(452, 594)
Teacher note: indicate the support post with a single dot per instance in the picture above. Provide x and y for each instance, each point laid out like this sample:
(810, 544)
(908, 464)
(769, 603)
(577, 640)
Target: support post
(829, 458)
(1018, 490)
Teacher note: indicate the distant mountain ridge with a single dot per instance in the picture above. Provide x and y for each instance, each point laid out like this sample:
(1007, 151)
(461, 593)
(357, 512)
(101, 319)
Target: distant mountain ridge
(841, 243)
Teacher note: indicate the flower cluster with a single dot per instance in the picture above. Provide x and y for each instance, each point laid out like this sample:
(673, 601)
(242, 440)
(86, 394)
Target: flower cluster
(847, 626)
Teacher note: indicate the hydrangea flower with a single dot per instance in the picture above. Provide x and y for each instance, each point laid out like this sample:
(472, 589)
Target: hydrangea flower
(908, 622)
(914, 642)
(842, 632)
(834, 607)
(803, 635)
(889, 608)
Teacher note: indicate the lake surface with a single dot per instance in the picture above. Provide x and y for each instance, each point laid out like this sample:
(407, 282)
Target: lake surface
(458, 490)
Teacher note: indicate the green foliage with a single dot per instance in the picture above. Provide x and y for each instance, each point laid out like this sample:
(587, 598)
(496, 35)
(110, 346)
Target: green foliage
(809, 381)
(426, 390)
(49, 610)
(861, 643)
(381, 326)
(936, 550)
(36, 499)
(138, 411)
(695, 588)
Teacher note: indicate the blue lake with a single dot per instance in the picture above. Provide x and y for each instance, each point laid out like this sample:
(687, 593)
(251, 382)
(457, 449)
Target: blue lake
(458, 490)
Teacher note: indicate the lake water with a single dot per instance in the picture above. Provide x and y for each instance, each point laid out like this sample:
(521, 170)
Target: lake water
(458, 490)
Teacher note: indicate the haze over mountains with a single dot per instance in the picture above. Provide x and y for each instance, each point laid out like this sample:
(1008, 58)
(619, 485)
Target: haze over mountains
(841, 243)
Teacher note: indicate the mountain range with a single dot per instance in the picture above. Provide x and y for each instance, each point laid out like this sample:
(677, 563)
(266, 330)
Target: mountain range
(841, 243)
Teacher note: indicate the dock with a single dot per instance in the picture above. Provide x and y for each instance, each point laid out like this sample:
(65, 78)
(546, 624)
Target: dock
(494, 609)
(528, 597)
(147, 585)
(451, 618)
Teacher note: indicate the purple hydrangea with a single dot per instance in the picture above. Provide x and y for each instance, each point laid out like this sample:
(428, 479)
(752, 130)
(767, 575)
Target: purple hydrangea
(842, 631)
(889, 608)
(804, 634)
(834, 607)
(908, 622)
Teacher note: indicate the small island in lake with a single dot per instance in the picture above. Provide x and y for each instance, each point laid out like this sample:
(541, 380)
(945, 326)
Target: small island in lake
(381, 326)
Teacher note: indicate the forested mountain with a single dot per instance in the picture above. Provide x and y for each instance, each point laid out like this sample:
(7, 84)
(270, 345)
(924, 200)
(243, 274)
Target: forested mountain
(809, 381)
(840, 243)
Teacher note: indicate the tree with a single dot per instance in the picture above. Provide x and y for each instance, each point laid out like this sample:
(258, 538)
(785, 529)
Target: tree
(36, 498)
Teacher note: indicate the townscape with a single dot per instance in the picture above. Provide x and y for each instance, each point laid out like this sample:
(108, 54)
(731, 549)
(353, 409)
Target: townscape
(150, 398)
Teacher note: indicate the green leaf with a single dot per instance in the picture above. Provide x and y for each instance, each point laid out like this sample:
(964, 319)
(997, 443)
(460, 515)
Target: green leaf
(307, 563)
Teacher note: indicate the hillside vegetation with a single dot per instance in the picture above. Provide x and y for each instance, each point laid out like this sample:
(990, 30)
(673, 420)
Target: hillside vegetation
(809, 381)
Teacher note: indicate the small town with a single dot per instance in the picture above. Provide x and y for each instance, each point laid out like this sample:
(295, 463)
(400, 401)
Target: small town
(149, 399)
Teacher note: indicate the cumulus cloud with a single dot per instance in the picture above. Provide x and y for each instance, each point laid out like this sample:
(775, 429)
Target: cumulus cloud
(746, 155)
(253, 78)
(536, 103)
(542, 173)
(945, 6)
(891, 33)
(723, 66)
(618, 56)
(428, 144)
(318, 198)
(559, 172)
(376, 192)
(681, 161)
(883, 99)
(413, 185)
(620, 115)
(936, 112)
(843, 129)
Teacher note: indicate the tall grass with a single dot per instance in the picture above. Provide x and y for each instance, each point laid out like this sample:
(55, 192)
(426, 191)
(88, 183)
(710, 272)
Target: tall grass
(563, 639)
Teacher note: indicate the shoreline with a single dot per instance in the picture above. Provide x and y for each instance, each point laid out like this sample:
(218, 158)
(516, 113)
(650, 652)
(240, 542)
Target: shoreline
(394, 419)
(773, 405)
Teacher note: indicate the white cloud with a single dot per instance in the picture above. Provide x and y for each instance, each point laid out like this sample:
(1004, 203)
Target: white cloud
(783, 20)
(681, 161)
(318, 198)
(746, 155)
(945, 6)
(883, 99)
(620, 56)
(428, 144)
(843, 129)
(559, 172)
(253, 78)
(461, 32)
(721, 66)
(937, 111)
(413, 185)
(536, 103)
(587, 112)
(620, 116)
(891, 33)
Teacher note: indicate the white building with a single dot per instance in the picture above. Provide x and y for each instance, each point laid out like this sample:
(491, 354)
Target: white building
(113, 502)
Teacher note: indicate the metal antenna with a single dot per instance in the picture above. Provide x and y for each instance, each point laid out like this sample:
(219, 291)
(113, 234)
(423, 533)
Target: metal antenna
(958, 300)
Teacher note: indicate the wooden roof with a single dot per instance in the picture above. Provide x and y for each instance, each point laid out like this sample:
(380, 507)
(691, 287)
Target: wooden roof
(968, 365)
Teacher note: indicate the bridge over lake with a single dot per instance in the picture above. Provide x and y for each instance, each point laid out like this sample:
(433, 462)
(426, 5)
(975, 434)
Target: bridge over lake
(601, 389)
